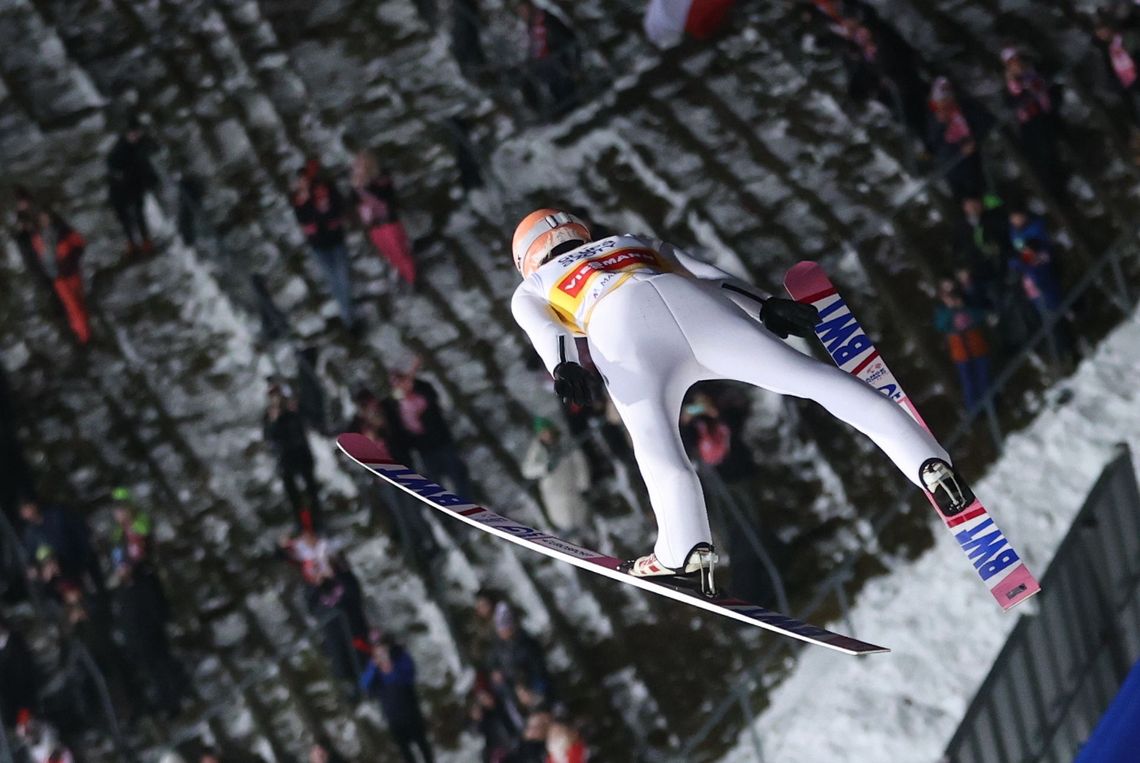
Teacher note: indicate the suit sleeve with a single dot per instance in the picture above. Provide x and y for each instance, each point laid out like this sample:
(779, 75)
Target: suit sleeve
(553, 341)
(746, 296)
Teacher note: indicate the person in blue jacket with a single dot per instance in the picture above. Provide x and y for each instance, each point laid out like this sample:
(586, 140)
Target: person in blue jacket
(390, 678)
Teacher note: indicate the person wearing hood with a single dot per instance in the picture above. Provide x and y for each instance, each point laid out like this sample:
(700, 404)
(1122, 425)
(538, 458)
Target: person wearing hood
(563, 476)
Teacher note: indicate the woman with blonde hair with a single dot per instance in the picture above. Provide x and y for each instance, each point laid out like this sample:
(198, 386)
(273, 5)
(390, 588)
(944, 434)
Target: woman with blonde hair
(376, 206)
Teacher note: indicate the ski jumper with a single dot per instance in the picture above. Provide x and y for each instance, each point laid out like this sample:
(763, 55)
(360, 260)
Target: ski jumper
(658, 321)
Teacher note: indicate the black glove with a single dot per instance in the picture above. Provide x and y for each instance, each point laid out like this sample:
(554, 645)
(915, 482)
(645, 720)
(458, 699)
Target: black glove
(572, 383)
(785, 316)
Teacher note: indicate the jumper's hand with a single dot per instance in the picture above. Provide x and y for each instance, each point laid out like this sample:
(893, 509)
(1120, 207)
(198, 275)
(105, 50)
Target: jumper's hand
(785, 316)
(572, 383)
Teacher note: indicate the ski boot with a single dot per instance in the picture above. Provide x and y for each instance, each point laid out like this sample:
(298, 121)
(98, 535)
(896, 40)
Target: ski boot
(950, 492)
(697, 569)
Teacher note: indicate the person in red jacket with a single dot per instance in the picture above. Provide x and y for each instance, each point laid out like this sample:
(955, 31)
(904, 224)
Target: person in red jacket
(376, 206)
(56, 248)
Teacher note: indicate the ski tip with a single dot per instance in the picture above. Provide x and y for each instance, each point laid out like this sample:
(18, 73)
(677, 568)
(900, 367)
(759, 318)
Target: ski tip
(360, 448)
(806, 277)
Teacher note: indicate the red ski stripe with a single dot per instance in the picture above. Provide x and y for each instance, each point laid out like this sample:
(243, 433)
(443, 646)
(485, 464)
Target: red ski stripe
(955, 521)
(855, 371)
(813, 298)
(469, 512)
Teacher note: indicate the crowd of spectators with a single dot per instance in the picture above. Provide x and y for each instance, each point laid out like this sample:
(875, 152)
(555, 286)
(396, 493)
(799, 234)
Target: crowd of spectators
(101, 614)
(1003, 275)
(514, 705)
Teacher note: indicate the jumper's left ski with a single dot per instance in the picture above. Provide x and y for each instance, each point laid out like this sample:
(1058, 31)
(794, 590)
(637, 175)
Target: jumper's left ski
(366, 453)
(998, 565)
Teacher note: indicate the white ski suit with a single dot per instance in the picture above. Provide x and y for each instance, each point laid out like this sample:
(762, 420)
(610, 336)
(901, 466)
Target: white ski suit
(658, 321)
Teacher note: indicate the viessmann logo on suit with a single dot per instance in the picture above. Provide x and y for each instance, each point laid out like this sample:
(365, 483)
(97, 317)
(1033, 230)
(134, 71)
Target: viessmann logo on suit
(623, 259)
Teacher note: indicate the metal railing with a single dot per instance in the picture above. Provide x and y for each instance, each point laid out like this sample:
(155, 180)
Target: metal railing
(1108, 267)
(1060, 668)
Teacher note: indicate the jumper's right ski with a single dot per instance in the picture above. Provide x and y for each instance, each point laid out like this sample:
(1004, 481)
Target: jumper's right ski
(997, 563)
(366, 453)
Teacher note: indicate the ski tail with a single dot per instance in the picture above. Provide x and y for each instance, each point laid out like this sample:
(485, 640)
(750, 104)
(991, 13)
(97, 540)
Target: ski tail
(996, 562)
(365, 453)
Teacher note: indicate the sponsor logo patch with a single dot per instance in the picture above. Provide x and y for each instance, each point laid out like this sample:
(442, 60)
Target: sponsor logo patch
(623, 259)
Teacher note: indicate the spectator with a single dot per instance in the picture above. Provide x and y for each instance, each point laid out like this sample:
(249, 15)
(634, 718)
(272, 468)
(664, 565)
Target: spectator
(515, 659)
(319, 210)
(965, 341)
(390, 678)
(19, 678)
(371, 420)
(130, 176)
(333, 594)
(1120, 50)
(954, 135)
(1033, 102)
(1034, 265)
(65, 536)
(982, 242)
(1024, 226)
(552, 67)
(284, 429)
(565, 745)
(882, 65)
(712, 442)
(376, 206)
(531, 748)
(55, 248)
(667, 21)
(132, 542)
(490, 719)
(563, 476)
(414, 407)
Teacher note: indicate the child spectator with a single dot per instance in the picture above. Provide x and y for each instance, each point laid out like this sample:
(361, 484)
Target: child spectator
(414, 407)
(563, 476)
(954, 136)
(390, 678)
(965, 340)
(376, 206)
(319, 210)
(130, 176)
(1032, 99)
(284, 430)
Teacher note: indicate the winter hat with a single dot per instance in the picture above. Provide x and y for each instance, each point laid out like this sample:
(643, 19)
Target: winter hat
(121, 495)
(504, 617)
(1009, 53)
(542, 424)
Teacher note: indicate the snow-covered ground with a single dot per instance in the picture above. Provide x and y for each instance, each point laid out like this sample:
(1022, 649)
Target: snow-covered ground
(942, 626)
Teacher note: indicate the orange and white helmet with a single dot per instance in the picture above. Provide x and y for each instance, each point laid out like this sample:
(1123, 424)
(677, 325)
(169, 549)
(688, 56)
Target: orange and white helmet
(540, 232)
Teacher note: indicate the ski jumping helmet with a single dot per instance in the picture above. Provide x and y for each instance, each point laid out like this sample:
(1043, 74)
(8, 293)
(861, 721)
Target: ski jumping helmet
(540, 232)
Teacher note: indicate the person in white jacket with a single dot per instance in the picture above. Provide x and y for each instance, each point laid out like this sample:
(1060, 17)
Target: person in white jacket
(658, 321)
(563, 476)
